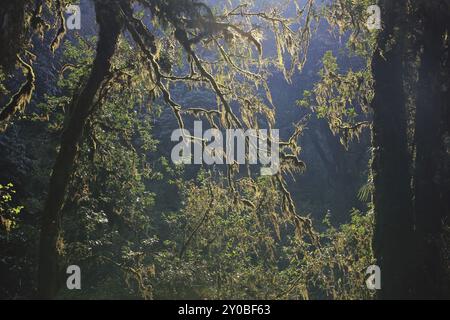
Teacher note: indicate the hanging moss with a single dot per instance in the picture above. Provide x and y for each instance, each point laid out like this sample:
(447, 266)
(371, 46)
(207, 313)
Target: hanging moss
(19, 100)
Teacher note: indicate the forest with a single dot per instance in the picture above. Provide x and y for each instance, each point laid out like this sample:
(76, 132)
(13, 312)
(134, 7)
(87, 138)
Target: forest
(224, 150)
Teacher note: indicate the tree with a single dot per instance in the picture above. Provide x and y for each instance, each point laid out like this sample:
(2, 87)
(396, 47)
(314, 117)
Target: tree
(227, 228)
(410, 164)
(393, 239)
(110, 26)
(188, 24)
(431, 174)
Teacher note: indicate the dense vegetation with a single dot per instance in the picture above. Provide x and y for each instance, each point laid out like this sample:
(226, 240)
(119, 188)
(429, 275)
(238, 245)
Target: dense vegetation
(86, 176)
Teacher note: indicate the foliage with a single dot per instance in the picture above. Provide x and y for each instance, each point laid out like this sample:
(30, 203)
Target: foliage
(225, 249)
(349, 18)
(16, 257)
(336, 269)
(108, 217)
(229, 235)
(8, 212)
(342, 96)
(342, 99)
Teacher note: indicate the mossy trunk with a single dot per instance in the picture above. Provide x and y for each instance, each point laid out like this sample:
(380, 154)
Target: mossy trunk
(110, 25)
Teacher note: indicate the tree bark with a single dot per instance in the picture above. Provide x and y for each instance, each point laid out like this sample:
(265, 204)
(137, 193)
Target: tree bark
(110, 25)
(12, 29)
(429, 193)
(393, 238)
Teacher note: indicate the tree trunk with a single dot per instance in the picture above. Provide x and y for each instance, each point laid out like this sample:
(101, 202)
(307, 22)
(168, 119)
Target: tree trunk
(429, 193)
(110, 25)
(12, 29)
(393, 238)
